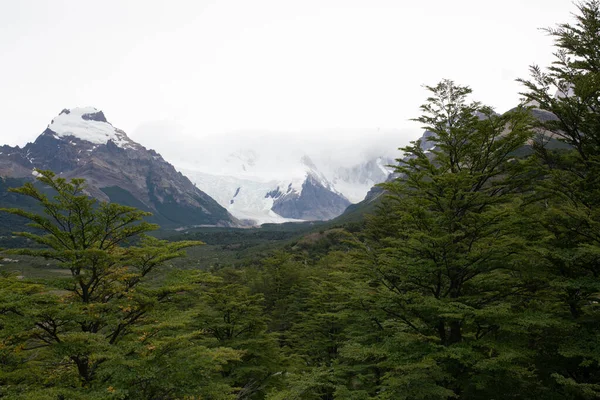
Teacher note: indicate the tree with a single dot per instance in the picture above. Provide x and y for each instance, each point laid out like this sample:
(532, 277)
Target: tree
(79, 330)
(569, 208)
(569, 88)
(229, 315)
(329, 334)
(444, 253)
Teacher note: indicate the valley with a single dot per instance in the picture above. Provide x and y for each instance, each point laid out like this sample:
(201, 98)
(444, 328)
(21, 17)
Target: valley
(235, 242)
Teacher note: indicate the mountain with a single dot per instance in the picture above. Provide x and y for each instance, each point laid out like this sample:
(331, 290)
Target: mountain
(81, 143)
(287, 185)
(304, 194)
(315, 199)
(355, 180)
(249, 172)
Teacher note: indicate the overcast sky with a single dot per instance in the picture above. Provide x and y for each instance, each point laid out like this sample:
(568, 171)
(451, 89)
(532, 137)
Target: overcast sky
(199, 68)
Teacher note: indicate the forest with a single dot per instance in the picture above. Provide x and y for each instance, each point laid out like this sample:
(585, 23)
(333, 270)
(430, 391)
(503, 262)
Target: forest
(476, 275)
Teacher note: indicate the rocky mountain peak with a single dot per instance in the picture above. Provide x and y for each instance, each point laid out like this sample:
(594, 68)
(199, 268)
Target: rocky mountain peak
(87, 124)
(81, 143)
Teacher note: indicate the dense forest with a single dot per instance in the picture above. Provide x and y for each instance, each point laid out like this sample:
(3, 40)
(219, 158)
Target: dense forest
(477, 276)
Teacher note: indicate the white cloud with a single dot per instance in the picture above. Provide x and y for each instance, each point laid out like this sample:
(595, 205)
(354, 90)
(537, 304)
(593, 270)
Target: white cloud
(216, 153)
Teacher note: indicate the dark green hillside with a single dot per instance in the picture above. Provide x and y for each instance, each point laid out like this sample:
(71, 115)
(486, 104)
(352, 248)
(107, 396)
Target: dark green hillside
(122, 196)
(169, 214)
(240, 246)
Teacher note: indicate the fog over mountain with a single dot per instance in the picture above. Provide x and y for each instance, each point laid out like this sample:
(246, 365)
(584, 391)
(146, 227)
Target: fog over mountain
(266, 176)
(327, 149)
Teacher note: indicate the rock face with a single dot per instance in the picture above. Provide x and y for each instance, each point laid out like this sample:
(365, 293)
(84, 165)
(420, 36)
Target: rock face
(81, 143)
(306, 194)
(314, 202)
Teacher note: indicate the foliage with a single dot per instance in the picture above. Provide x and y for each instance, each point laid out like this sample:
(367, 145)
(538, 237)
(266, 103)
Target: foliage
(72, 337)
(569, 213)
(228, 313)
(443, 250)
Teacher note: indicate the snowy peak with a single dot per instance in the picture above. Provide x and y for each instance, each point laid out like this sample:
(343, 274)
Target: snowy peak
(81, 143)
(305, 194)
(314, 173)
(88, 114)
(88, 124)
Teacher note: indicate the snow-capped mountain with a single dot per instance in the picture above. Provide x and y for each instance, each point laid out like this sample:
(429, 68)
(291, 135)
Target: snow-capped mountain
(277, 176)
(90, 125)
(287, 184)
(246, 199)
(305, 194)
(81, 143)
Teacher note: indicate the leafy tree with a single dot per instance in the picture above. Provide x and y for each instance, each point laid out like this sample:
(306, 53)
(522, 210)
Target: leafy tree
(569, 210)
(326, 334)
(280, 279)
(67, 341)
(233, 317)
(444, 254)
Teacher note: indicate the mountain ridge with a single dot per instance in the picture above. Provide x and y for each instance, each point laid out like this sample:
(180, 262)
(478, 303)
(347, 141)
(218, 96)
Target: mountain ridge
(304, 193)
(80, 142)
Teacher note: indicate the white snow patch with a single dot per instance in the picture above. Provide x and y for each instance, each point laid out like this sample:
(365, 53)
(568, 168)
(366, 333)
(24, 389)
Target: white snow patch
(259, 162)
(71, 123)
(244, 198)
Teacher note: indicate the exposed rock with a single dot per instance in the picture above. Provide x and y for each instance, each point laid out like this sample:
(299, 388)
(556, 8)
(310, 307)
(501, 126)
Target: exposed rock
(314, 202)
(81, 143)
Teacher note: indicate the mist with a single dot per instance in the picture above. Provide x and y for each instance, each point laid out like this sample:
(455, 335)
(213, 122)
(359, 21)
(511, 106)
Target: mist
(272, 153)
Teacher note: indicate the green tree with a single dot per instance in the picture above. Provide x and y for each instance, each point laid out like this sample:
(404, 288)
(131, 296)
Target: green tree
(569, 210)
(229, 315)
(68, 339)
(325, 336)
(444, 255)
(280, 279)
